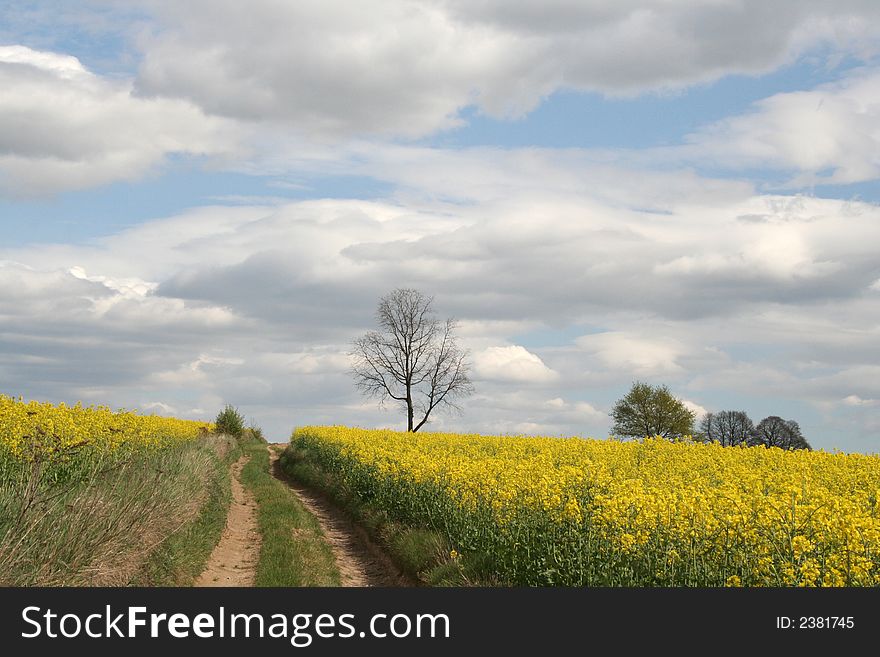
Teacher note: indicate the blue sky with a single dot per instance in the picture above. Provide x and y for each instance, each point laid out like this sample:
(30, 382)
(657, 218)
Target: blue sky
(202, 206)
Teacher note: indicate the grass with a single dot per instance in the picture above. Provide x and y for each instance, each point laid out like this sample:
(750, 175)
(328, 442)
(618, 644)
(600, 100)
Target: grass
(139, 517)
(182, 556)
(131, 517)
(423, 554)
(294, 551)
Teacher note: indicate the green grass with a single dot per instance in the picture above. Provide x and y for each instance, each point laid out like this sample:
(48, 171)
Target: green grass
(142, 517)
(150, 518)
(423, 554)
(294, 551)
(180, 559)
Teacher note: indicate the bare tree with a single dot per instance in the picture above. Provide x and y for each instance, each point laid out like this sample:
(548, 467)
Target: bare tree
(773, 431)
(728, 427)
(413, 358)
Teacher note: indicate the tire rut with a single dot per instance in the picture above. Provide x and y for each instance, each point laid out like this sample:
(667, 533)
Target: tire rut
(361, 562)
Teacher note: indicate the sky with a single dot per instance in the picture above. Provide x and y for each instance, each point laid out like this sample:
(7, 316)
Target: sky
(201, 203)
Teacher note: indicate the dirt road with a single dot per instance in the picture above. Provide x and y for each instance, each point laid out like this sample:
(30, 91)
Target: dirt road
(234, 560)
(360, 561)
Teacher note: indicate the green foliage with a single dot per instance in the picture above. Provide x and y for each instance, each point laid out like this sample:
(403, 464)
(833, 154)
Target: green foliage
(255, 433)
(651, 411)
(230, 422)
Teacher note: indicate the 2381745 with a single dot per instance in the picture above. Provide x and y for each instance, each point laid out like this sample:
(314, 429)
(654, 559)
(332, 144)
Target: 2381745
(815, 622)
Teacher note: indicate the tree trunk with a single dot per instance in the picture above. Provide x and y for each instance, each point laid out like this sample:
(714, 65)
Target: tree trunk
(409, 409)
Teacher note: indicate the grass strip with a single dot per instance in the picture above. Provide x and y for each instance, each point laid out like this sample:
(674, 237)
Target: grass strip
(294, 551)
(135, 516)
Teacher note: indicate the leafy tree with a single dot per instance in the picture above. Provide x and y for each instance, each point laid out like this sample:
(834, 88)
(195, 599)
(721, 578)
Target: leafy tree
(413, 358)
(773, 431)
(651, 411)
(727, 428)
(230, 421)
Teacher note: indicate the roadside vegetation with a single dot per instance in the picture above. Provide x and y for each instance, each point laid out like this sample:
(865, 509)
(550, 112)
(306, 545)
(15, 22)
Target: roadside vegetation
(293, 550)
(92, 497)
(422, 553)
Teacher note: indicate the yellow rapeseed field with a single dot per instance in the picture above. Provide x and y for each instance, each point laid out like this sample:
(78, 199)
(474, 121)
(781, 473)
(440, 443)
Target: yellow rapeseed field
(601, 512)
(30, 429)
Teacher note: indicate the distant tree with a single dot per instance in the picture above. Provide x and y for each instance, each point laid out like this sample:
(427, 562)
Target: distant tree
(651, 411)
(727, 428)
(255, 432)
(413, 359)
(773, 431)
(230, 421)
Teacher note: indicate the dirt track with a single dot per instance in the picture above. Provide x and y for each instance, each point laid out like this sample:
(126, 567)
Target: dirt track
(234, 560)
(360, 561)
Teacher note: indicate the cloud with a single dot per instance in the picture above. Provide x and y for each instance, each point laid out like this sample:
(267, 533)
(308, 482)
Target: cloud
(631, 353)
(63, 127)
(735, 296)
(855, 400)
(408, 69)
(696, 408)
(827, 135)
(75, 336)
(293, 88)
(520, 412)
(512, 363)
(256, 305)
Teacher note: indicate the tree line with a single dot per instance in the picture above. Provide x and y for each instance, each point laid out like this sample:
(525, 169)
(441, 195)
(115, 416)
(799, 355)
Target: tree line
(413, 360)
(653, 411)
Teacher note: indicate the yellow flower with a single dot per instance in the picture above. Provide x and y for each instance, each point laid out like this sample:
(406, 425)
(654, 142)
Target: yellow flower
(800, 545)
(661, 511)
(34, 430)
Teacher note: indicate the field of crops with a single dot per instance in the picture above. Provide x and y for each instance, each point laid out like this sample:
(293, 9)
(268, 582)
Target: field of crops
(30, 429)
(550, 511)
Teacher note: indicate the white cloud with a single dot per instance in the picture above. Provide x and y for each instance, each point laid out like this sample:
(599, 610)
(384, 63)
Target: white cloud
(642, 356)
(125, 287)
(399, 68)
(160, 408)
(830, 134)
(279, 292)
(512, 363)
(65, 67)
(409, 68)
(575, 411)
(855, 400)
(316, 361)
(63, 127)
(699, 410)
(506, 411)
